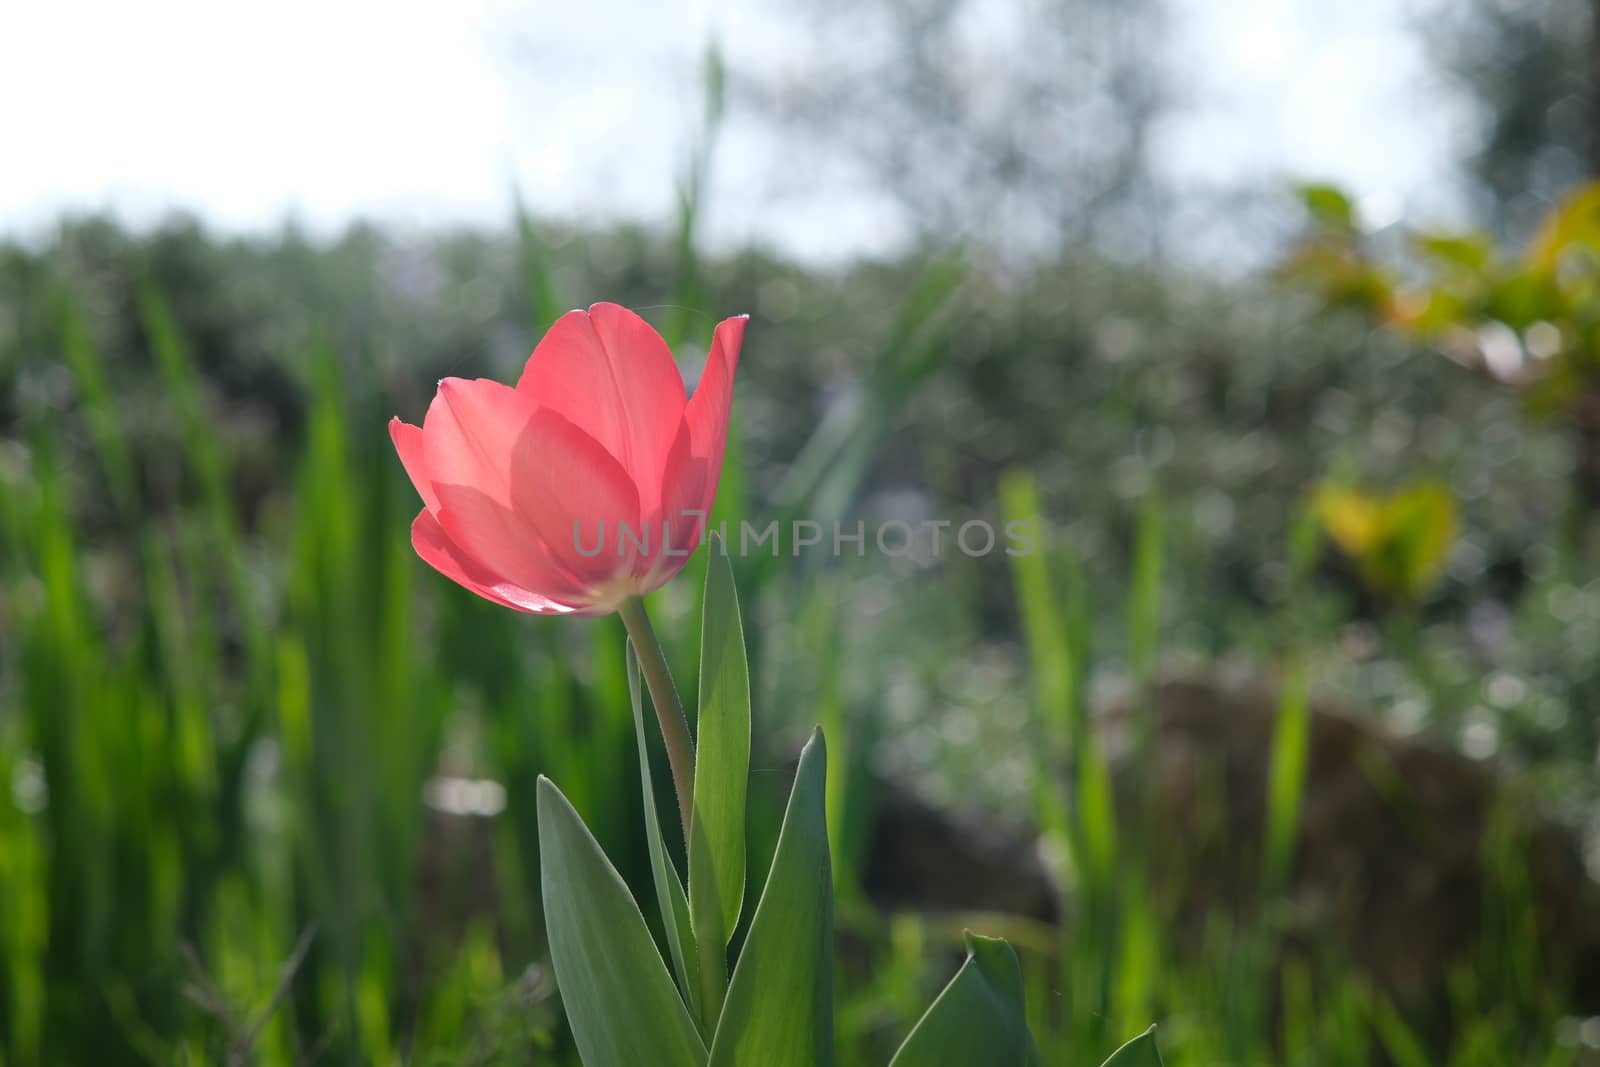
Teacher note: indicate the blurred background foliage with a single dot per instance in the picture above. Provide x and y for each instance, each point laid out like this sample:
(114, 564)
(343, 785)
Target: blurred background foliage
(1286, 738)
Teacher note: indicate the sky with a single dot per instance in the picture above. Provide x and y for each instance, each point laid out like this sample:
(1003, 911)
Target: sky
(420, 114)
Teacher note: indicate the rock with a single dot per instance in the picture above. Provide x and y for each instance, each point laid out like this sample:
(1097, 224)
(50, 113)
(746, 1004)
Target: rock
(920, 857)
(1405, 846)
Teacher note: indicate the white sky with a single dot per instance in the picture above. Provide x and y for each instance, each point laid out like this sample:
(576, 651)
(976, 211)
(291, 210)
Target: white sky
(421, 113)
(1310, 90)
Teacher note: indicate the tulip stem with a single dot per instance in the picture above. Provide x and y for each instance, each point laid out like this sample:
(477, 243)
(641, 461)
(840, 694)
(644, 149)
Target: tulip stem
(669, 709)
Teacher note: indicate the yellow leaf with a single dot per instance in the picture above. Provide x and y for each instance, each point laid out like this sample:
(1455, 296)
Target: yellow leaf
(1576, 221)
(1350, 517)
(1398, 543)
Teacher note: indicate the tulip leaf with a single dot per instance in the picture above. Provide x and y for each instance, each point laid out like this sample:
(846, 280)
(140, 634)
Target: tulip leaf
(978, 1018)
(616, 991)
(722, 762)
(669, 888)
(1140, 1052)
(779, 1010)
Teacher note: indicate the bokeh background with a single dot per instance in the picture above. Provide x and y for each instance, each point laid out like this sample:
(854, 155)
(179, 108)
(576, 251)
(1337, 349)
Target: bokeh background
(1281, 319)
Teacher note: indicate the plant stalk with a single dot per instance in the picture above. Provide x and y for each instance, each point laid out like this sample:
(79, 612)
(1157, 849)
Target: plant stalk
(664, 698)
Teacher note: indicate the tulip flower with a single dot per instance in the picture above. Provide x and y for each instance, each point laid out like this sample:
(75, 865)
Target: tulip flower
(587, 484)
(578, 491)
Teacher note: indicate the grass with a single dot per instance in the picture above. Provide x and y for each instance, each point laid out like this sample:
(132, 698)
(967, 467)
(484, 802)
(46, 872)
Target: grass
(217, 850)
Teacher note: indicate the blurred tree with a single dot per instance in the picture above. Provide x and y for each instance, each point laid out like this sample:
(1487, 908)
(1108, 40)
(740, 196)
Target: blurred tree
(1528, 319)
(1022, 123)
(1529, 70)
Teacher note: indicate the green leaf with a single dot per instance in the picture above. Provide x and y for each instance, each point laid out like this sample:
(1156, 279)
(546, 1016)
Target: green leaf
(669, 889)
(779, 1011)
(722, 761)
(1328, 205)
(618, 996)
(1521, 300)
(1470, 251)
(979, 1018)
(1140, 1052)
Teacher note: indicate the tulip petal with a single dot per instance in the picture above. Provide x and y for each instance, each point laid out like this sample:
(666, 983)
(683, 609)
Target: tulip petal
(440, 553)
(500, 541)
(707, 411)
(566, 491)
(408, 443)
(581, 501)
(471, 430)
(609, 373)
(681, 519)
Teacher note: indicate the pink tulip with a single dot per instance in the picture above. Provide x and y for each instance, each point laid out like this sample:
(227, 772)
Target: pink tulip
(585, 485)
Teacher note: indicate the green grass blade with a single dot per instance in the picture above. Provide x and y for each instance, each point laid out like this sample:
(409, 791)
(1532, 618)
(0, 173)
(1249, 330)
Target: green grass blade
(539, 287)
(1402, 1046)
(1144, 608)
(1056, 641)
(205, 453)
(1055, 679)
(827, 472)
(1286, 776)
(690, 292)
(88, 371)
